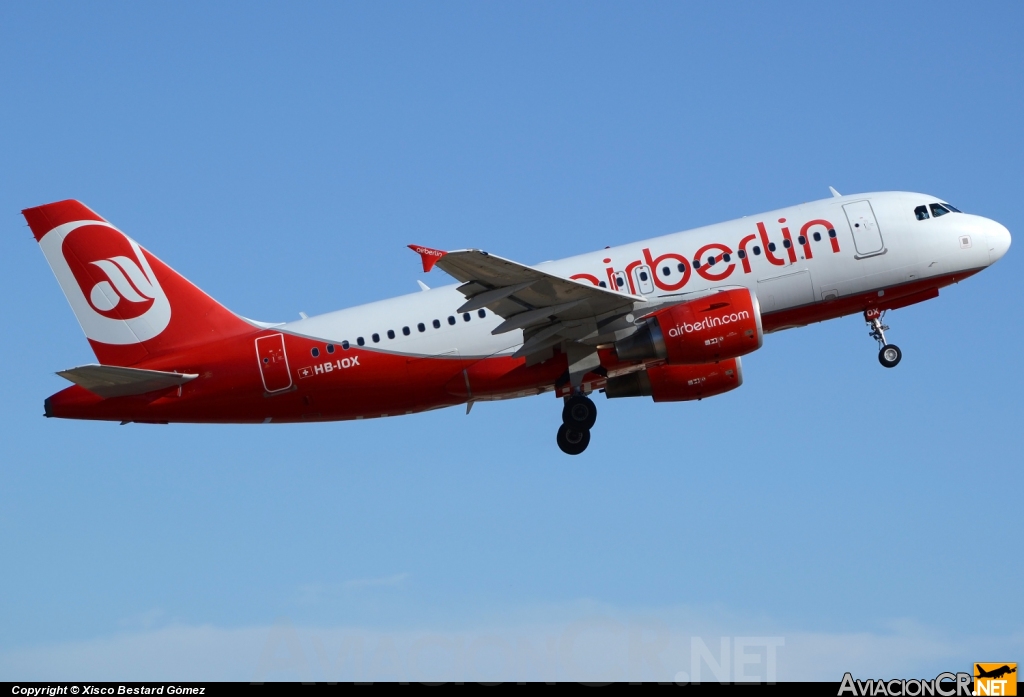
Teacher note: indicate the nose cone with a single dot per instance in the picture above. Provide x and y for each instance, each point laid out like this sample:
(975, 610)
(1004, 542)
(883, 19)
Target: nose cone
(998, 242)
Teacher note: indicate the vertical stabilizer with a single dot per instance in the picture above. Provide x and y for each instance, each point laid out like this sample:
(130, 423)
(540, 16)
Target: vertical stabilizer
(130, 304)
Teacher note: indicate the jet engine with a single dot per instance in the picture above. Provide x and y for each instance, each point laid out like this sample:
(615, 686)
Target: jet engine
(678, 383)
(725, 324)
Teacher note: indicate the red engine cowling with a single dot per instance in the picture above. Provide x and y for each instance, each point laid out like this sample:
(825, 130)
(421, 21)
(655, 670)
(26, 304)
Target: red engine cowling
(678, 383)
(722, 325)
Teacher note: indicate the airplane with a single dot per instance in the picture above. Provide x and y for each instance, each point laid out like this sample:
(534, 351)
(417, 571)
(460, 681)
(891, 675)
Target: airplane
(995, 673)
(667, 318)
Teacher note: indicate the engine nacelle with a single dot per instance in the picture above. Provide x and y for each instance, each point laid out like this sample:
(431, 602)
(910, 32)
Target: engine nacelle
(678, 383)
(722, 325)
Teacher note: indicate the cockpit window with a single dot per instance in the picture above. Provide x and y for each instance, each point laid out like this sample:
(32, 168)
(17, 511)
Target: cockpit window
(921, 212)
(952, 208)
(938, 210)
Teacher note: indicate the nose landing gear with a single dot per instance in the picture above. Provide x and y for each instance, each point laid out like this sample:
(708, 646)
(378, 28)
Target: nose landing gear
(889, 355)
(578, 417)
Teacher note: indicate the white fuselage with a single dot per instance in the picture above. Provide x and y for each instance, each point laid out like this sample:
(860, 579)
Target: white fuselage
(880, 241)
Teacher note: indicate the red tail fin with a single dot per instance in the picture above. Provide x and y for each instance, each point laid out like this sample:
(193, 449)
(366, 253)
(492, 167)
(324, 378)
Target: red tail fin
(130, 304)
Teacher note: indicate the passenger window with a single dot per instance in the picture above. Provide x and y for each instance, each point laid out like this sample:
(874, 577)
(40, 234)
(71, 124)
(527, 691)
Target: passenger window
(466, 317)
(405, 330)
(330, 348)
(832, 232)
(801, 239)
(451, 320)
(757, 251)
(771, 246)
(711, 261)
(481, 313)
(345, 344)
(391, 333)
(921, 212)
(938, 210)
(376, 338)
(787, 244)
(643, 275)
(619, 281)
(437, 324)
(422, 327)
(602, 284)
(315, 351)
(665, 271)
(361, 341)
(696, 263)
(817, 237)
(741, 254)
(682, 268)
(726, 258)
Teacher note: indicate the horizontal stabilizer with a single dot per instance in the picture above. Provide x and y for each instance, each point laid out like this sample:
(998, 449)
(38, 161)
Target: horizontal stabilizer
(115, 381)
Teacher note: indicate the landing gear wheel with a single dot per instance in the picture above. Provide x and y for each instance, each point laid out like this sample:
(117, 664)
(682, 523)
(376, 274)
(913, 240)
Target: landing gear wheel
(579, 413)
(571, 441)
(890, 355)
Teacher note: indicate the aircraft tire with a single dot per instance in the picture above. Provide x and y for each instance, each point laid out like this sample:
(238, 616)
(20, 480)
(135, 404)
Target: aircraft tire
(579, 413)
(890, 355)
(571, 441)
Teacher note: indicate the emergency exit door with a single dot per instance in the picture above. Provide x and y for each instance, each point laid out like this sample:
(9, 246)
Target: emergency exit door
(867, 238)
(642, 280)
(273, 363)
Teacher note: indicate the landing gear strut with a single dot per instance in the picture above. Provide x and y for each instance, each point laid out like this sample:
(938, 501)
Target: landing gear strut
(578, 417)
(889, 355)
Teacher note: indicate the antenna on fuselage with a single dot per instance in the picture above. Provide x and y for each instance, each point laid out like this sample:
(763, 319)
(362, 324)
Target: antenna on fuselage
(835, 194)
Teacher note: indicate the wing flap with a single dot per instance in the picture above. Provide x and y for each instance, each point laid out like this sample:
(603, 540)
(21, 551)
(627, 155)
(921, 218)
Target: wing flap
(115, 381)
(549, 309)
(486, 297)
(541, 315)
(482, 273)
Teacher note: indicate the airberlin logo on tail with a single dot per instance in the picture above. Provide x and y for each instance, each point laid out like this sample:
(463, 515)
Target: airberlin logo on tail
(125, 281)
(108, 281)
(708, 323)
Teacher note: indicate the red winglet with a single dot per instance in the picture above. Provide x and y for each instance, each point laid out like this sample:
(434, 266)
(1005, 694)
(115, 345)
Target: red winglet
(427, 255)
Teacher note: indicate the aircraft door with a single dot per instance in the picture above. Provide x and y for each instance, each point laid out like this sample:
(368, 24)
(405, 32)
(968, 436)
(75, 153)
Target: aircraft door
(620, 282)
(642, 280)
(273, 363)
(867, 238)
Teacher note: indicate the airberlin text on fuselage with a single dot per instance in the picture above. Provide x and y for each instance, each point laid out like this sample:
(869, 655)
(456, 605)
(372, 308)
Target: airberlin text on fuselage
(814, 232)
(708, 323)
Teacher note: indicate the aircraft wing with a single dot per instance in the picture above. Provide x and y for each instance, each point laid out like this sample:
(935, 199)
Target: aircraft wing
(548, 308)
(115, 381)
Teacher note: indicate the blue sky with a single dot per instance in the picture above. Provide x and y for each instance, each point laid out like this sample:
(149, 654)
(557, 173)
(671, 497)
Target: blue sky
(282, 156)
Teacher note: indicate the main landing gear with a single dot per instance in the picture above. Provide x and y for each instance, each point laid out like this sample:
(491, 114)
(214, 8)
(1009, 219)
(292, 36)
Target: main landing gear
(578, 417)
(889, 355)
